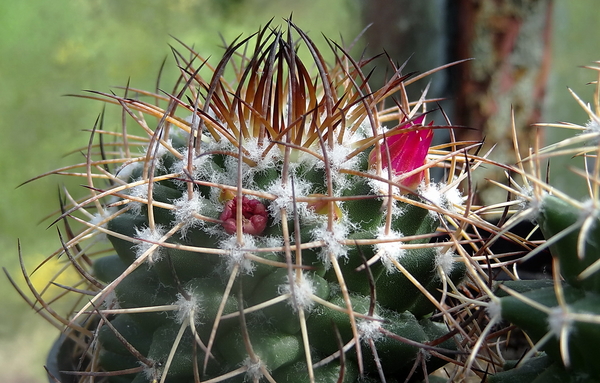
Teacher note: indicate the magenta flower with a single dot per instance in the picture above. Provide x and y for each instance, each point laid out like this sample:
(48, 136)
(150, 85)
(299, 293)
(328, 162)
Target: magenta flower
(254, 216)
(407, 150)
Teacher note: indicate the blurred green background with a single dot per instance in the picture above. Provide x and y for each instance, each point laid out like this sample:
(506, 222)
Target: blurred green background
(52, 48)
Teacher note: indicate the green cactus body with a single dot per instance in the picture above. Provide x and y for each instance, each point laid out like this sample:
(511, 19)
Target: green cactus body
(559, 306)
(260, 229)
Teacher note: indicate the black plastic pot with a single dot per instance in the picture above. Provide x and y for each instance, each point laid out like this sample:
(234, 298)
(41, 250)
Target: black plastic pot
(60, 358)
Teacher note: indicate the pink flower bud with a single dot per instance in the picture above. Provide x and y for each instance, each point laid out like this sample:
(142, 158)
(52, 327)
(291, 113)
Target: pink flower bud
(254, 216)
(407, 150)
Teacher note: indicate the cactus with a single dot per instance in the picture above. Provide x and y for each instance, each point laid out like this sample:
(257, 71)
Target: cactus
(267, 228)
(561, 316)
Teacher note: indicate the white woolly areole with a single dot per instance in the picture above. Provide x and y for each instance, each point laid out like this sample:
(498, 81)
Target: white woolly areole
(285, 198)
(152, 371)
(494, 309)
(197, 168)
(444, 260)
(382, 187)
(272, 241)
(432, 193)
(185, 210)
(389, 251)
(157, 152)
(252, 151)
(232, 165)
(255, 152)
(558, 318)
(254, 370)
(592, 126)
(100, 220)
(397, 209)
(111, 301)
(302, 292)
(139, 191)
(337, 158)
(454, 198)
(369, 329)
(148, 238)
(188, 307)
(334, 241)
(440, 195)
(529, 202)
(235, 255)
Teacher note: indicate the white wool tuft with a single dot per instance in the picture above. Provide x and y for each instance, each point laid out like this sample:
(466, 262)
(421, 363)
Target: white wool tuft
(100, 220)
(382, 187)
(445, 260)
(337, 157)
(185, 210)
(139, 191)
(302, 292)
(454, 198)
(285, 199)
(440, 195)
(370, 328)
(198, 162)
(254, 370)
(559, 318)
(188, 307)
(592, 126)
(255, 152)
(494, 309)
(334, 241)
(529, 202)
(389, 252)
(236, 253)
(148, 239)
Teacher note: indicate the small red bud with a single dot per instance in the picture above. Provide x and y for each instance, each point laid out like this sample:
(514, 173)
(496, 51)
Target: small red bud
(254, 216)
